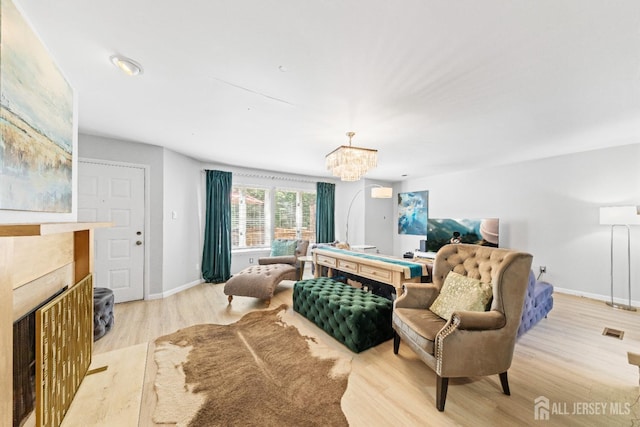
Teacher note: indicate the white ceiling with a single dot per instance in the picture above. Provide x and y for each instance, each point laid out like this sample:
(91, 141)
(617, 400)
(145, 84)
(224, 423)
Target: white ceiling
(435, 86)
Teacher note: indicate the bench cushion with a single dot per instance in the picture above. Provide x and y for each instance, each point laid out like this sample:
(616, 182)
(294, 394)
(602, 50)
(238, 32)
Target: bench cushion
(356, 318)
(259, 281)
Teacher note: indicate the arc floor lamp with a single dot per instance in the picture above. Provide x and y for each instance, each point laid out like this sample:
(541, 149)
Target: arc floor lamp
(621, 216)
(377, 192)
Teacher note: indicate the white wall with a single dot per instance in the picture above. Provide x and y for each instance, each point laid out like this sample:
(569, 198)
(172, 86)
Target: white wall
(183, 221)
(370, 220)
(379, 220)
(549, 208)
(345, 193)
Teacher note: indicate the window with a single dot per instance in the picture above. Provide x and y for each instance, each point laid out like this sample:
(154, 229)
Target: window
(293, 216)
(249, 215)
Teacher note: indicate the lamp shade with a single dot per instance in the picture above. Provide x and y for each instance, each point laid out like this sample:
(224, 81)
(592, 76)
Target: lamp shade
(382, 192)
(620, 215)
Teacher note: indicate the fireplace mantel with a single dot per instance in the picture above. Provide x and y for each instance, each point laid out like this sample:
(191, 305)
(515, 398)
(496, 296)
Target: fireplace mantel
(29, 252)
(43, 229)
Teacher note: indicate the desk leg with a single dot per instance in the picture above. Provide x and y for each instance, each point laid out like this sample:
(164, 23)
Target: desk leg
(317, 268)
(301, 275)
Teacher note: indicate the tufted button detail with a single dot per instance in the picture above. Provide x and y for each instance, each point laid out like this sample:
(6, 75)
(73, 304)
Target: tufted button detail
(356, 318)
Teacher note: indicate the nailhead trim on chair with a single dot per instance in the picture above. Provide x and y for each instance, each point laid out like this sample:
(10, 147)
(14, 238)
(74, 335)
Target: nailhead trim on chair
(446, 331)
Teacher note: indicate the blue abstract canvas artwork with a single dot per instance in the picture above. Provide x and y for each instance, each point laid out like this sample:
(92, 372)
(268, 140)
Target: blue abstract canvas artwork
(413, 212)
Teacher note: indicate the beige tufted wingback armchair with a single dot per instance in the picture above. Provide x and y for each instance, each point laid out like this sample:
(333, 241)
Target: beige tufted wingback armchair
(471, 343)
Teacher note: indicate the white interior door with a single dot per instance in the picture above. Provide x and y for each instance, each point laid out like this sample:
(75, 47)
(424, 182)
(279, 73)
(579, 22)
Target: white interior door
(115, 193)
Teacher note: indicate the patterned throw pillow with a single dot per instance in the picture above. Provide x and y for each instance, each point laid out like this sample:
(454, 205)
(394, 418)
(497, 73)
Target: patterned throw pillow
(461, 293)
(283, 247)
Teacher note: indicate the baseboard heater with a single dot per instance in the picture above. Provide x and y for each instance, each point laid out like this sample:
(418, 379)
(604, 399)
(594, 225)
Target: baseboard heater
(64, 342)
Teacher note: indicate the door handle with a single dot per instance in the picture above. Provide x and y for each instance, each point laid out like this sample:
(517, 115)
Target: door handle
(138, 243)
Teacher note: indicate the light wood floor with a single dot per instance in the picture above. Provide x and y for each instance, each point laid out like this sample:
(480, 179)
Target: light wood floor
(564, 358)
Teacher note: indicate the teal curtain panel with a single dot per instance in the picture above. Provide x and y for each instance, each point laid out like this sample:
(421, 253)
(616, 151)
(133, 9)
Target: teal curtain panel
(325, 212)
(216, 255)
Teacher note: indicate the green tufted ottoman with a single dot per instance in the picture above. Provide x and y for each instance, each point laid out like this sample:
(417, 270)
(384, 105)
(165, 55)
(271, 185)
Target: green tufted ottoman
(356, 318)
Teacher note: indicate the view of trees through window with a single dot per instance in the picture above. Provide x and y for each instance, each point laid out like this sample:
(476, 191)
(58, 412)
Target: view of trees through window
(248, 217)
(291, 214)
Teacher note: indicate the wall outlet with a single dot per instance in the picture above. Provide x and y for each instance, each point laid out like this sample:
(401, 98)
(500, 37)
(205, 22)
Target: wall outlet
(250, 260)
(543, 269)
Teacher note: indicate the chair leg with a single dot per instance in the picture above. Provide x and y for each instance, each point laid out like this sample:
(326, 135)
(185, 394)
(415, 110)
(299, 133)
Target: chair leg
(441, 392)
(505, 383)
(230, 298)
(396, 342)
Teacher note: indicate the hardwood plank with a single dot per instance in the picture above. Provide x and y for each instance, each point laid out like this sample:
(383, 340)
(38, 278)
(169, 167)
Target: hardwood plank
(113, 396)
(564, 358)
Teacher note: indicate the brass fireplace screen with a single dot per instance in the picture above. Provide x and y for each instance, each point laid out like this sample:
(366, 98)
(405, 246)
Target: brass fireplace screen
(64, 340)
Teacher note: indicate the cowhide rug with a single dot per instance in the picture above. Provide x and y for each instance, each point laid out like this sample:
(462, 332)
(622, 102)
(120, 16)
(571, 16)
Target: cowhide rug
(257, 371)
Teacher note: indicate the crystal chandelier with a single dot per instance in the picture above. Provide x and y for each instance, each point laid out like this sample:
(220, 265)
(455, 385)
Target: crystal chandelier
(351, 163)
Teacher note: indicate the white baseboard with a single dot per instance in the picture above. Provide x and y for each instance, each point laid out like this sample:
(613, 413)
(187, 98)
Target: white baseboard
(596, 296)
(175, 290)
(555, 289)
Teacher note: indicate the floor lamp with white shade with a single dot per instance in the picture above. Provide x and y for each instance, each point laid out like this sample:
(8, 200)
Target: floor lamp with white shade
(377, 192)
(621, 216)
